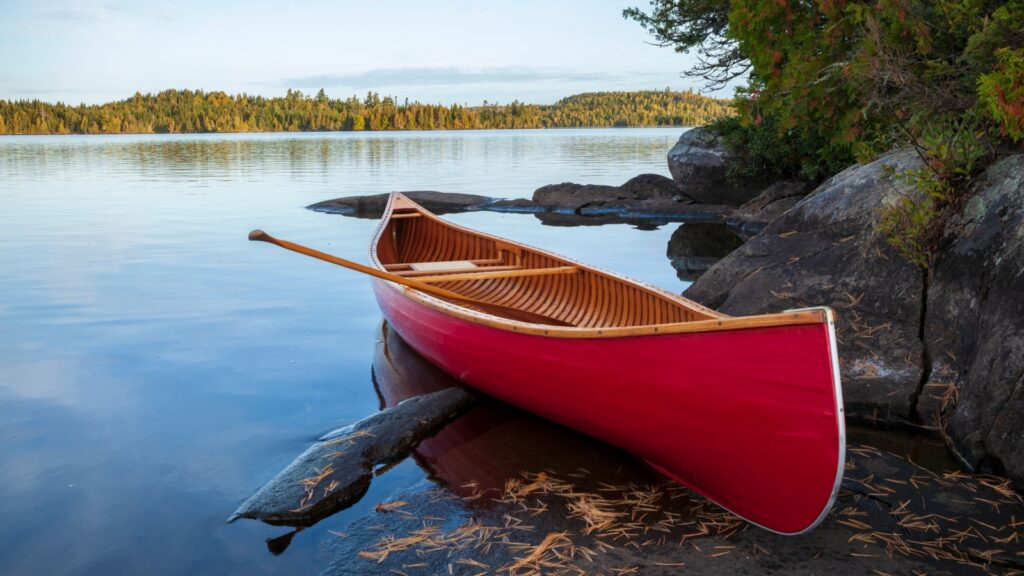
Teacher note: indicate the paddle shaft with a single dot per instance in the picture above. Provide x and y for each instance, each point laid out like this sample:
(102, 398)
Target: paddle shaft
(513, 313)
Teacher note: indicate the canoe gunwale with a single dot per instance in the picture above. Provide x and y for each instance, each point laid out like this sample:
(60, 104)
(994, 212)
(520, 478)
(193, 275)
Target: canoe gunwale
(789, 318)
(716, 321)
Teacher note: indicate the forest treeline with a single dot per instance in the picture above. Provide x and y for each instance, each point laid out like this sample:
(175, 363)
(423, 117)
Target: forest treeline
(186, 111)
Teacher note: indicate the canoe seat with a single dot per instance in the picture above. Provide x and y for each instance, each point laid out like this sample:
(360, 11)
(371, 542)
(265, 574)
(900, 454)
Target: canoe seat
(450, 271)
(449, 266)
(414, 269)
(489, 273)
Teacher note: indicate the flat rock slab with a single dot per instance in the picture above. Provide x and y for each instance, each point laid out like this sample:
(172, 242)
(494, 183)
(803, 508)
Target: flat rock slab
(639, 189)
(372, 206)
(892, 517)
(595, 211)
(335, 472)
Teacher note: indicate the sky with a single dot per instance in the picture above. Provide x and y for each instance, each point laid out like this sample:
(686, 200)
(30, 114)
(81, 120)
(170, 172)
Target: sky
(433, 51)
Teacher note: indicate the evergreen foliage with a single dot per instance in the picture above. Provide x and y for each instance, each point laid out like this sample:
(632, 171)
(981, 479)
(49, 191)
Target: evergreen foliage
(833, 81)
(184, 111)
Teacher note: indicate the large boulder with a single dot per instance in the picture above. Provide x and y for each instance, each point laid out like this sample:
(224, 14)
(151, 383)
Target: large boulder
(824, 251)
(700, 163)
(975, 326)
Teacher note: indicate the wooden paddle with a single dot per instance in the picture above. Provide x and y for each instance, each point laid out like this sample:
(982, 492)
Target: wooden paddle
(496, 309)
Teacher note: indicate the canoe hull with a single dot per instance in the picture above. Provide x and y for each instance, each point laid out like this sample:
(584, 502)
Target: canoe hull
(752, 419)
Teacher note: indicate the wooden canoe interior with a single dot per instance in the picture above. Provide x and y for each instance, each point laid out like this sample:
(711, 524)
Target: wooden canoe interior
(418, 245)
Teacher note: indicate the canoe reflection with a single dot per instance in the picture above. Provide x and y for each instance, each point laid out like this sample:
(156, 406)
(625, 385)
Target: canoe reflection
(493, 442)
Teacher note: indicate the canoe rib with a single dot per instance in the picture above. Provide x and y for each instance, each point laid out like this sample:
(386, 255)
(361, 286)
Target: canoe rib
(746, 411)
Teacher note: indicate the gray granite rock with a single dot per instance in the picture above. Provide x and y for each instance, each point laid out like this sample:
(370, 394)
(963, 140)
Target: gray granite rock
(700, 163)
(975, 326)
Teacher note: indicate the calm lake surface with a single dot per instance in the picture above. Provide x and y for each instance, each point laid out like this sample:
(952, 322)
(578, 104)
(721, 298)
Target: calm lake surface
(156, 368)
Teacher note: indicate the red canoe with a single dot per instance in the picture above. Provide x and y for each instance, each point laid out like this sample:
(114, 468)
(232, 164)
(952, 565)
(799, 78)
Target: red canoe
(746, 411)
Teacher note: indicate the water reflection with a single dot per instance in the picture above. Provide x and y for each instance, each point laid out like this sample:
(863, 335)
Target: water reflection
(695, 247)
(571, 219)
(494, 442)
(156, 368)
(448, 161)
(477, 453)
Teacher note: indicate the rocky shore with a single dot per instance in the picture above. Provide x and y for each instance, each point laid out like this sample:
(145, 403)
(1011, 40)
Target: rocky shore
(941, 349)
(502, 498)
(643, 199)
(892, 517)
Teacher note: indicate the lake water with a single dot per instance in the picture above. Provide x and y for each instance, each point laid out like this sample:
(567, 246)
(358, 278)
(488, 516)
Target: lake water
(156, 368)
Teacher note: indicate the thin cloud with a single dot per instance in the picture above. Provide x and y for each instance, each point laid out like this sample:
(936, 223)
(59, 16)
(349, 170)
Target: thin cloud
(70, 15)
(90, 19)
(378, 77)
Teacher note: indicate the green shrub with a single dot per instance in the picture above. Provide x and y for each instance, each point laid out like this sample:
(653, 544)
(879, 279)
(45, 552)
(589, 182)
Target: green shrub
(1002, 93)
(778, 154)
(954, 150)
(908, 226)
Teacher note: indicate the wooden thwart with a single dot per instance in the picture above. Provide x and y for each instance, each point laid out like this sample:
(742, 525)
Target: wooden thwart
(499, 274)
(456, 270)
(406, 266)
(451, 265)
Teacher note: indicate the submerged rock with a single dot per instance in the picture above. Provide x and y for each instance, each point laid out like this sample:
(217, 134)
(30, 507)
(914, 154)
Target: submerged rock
(975, 325)
(824, 251)
(335, 472)
(700, 163)
(891, 517)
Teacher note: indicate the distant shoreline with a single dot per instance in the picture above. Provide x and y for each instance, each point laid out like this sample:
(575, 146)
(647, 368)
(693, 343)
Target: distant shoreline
(198, 112)
(367, 132)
